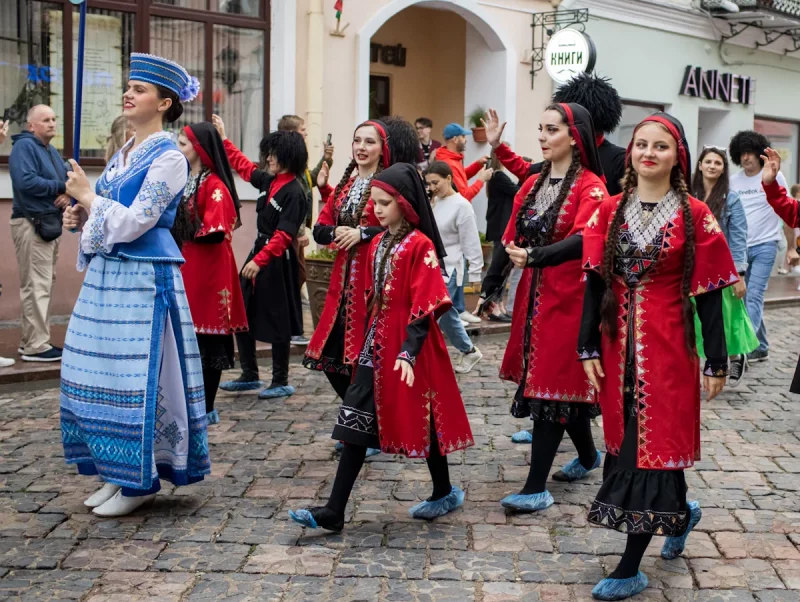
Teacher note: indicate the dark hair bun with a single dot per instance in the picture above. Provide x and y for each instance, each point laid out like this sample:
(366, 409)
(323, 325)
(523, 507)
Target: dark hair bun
(174, 112)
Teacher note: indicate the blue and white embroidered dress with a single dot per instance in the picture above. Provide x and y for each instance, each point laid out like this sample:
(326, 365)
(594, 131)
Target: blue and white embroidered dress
(132, 402)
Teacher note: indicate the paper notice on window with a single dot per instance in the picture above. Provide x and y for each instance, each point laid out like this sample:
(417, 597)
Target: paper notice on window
(102, 80)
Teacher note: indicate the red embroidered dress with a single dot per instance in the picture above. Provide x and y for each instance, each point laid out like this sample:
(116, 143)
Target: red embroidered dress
(647, 283)
(210, 275)
(547, 310)
(345, 308)
(413, 290)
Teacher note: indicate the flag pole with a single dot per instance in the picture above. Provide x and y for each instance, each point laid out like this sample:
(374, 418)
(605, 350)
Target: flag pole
(76, 142)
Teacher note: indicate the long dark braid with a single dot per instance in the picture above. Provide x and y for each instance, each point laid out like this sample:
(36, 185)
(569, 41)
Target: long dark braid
(365, 196)
(609, 308)
(187, 220)
(687, 309)
(348, 171)
(550, 218)
(403, 231)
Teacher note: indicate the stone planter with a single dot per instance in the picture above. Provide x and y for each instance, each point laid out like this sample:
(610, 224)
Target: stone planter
(318, 277)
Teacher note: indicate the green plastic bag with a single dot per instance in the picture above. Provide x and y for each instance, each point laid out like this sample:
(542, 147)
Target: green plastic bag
(739, 334)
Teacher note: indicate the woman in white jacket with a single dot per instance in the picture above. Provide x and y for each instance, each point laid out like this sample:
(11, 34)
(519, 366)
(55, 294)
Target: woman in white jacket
(455, 219)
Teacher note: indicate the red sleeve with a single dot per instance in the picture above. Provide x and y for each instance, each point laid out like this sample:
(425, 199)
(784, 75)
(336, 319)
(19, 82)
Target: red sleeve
(472, 170)
(785, 206)
(325, 217)
(276, 247)
(326, 191)
(510, 235)
(513, 162)
(428, 291)
(219, 212)
(594, 234)
(471, 192)
(241, 164)
(592, 193)
(713, 263)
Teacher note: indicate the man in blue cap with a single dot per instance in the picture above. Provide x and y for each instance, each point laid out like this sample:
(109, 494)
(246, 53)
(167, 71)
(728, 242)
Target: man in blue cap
(452, 153)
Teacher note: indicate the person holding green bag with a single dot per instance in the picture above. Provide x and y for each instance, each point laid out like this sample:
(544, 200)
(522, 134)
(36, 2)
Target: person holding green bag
(710, 185)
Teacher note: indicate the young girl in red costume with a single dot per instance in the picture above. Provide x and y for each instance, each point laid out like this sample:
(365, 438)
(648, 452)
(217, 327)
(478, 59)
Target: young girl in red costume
(203, 229)
(348, 223)
(544, 238)
(647, 252)
(404, 398)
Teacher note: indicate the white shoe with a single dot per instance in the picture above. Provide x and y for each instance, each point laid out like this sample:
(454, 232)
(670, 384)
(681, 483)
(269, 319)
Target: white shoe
(469, 318)
(465, 324)
(468, 361)
(5, 362)
(102, 495)
(120, 505)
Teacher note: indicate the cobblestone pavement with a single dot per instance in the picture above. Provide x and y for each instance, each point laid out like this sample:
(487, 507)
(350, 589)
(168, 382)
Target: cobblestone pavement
(229, 537)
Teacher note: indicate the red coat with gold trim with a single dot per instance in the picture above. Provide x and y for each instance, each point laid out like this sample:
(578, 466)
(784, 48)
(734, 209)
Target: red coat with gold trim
(209, 274)
(553, 370)
(667, 377)
(353, 288)
(413, 289)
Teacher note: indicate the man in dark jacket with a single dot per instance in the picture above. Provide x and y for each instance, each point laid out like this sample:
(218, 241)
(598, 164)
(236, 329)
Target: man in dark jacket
(598, 97)
(38, 179)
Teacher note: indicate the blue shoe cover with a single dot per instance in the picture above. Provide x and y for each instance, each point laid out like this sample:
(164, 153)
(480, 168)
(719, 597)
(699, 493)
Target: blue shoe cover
(303, 517)
(574, 470)
(524, 436)
(430, 510)
(339, 446)
(275, 392)
(212, 417)
(620, 589)
(371, 451)
(673, 546)
(237, 385)
(528, 503)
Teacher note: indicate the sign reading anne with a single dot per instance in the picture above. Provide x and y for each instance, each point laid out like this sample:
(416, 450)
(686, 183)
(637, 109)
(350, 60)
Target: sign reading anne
(568, 53)
(714, 85)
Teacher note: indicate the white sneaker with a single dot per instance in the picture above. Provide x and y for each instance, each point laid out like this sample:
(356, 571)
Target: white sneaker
(465, 324)
(5, 362)
(120, 505)
(102, 495)
(469, 318)
(468, 361)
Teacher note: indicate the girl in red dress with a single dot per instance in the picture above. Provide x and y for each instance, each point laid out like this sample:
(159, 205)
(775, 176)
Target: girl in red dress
(208, 215)
(646, 253)
(404, 398)
(348, 223)
(544, 238)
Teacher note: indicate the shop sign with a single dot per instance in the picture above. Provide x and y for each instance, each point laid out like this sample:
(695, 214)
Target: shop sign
(388, 55)
(568, 53)
(714, 85)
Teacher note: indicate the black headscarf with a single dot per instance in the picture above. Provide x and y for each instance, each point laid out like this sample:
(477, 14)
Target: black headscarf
(402, 181)
(675, 128)
(208, 145)
(579, 121)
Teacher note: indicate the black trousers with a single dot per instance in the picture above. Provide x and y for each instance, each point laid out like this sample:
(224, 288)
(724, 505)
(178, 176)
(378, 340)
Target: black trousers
(247, 358)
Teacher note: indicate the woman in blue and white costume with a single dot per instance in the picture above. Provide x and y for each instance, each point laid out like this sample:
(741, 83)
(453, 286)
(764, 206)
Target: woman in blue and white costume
(132, 403)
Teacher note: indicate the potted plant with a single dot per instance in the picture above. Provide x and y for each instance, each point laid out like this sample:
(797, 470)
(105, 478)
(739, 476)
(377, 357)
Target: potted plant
(488, 249)
(319, 266)
(475, 120)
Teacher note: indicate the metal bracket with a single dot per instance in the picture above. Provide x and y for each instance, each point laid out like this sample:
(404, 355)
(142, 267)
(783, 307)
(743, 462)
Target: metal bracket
(545, 25)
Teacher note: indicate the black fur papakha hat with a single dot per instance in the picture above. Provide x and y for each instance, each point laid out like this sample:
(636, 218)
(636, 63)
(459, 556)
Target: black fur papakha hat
(747, 141)
(597, 96)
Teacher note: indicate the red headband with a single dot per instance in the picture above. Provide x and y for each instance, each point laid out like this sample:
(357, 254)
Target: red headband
(385, 153)
(204, 158)
(575, 133)
(405, 206)
(683, 159)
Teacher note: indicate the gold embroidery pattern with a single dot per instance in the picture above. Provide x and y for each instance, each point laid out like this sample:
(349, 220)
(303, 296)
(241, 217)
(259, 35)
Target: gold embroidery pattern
(594, 220)
(431, 261)
(597, 193)
(710, 225)
(217, 195)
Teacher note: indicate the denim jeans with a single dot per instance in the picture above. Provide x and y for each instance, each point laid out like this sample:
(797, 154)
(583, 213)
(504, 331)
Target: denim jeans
(760, 259)
(457, 294)
(450, 322)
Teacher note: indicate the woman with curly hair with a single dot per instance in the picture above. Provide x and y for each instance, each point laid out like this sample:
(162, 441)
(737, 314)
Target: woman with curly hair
(348, 224)
(543, 238)
(647, 253)
(764, 229)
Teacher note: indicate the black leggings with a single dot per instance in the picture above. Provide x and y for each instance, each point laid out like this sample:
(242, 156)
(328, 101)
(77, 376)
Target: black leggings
(352, 460)
(546, 439)
(280, 364)
(211, 378)
(635, 548)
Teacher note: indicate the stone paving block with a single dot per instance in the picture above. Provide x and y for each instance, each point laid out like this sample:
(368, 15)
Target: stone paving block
(731, 595)
(179, 528)
(560, 568)
(33, 553)
(98, 554)
(239, 587)
(83, 526)
(789, 571)
(766, 521)
(589, 540)
(497, 538)
(259, 531)
(28, 524)
(749, 573)
(733, 480)
(47, 586)
(207, 557)
(770, 546)
(391, 563)
(472, 566)
(558, 514)
(364, 535)
(141, 587)
(776, 595)
(291, 560)
(302, 589)
(421, 535)
(219, 508)
(778, 501)
(525, 592)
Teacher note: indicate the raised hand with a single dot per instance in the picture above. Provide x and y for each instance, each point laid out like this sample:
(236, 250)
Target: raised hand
(217, 122)
(494, 130)
(772, 165)
(323, 175)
